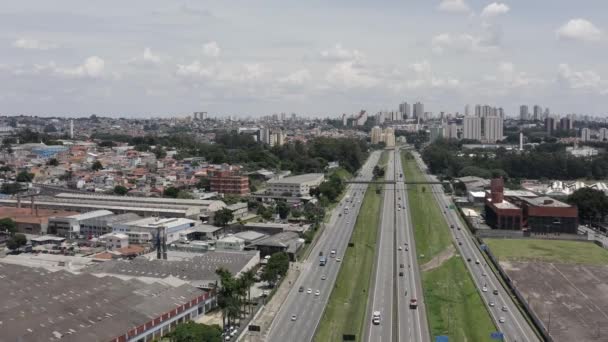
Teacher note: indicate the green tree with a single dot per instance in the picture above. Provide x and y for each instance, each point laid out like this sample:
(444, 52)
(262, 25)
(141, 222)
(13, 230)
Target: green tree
(222, 217)
(120, 190)
(296, 213)
(204, 183)
(96, 166)
(248, 280)
(265, 212)
(16, 241)
(278, 265)
(195, 332)
(7, 224)
(228, 299)
(182, 194)
(53, 162)
(11, 188)
(171, 192)
(24, 177)
(283, 209)
(592, 204)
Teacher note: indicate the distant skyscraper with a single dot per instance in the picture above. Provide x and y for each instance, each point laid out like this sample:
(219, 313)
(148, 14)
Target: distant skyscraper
(478, 110)
(344, 121)
(524, 115)
(404, 109)
(283, 117)
(603, 134)
(472, 128)
(493, 129)
(467, 110)
(380, 118)
(547, 113)
(566, 124)
(418, 110)
(450, 131)
(549, 125)
(585, 134)
(436, 132)
(376, 134)
(538, 113)
(72, 129)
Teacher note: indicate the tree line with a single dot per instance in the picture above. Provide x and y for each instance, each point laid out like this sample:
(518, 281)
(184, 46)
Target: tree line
(550, 161)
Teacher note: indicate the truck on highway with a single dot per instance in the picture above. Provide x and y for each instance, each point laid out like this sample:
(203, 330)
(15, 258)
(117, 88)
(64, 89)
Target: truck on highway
(413, 303)
(322, 261)
(376, 317)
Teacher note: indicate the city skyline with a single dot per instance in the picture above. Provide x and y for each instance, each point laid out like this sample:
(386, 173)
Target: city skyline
(316, 59)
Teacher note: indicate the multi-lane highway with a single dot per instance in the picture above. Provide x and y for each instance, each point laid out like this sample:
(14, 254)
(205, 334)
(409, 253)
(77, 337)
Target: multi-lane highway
(382, 297)
(412, 322)
(397, 278)
(300, 314)
(509, 320)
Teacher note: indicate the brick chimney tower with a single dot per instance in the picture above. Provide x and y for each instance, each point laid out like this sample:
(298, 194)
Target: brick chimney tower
(497, 188)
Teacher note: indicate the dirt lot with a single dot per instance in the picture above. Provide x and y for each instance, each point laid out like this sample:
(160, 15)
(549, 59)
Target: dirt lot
(570, 299)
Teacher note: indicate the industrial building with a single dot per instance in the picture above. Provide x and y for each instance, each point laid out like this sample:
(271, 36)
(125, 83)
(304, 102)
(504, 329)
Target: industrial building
(143, 206)
(62, 306)
(97, 226)
(145, 230)
(518, 210)
(198, 269)
(69, 226)
(32, 220)
(295, 185)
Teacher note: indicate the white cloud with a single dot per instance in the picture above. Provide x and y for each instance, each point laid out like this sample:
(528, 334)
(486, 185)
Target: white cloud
(512, 78)
(222, 73)
(32, 44)
(211, 49)
(457, 6)
(579, 29)
(92, 67)
(464, 42)
(587, 80)
(149, 56)
(425, 78)
(494, 9)
(339, 53)
(297, 78)
(350, 75)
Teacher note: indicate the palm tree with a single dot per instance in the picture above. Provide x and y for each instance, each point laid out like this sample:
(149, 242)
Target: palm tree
(225, 294)
(248, 278)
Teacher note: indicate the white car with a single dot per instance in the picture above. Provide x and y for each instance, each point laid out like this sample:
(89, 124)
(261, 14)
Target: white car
(483, 274)
(484, 289)
(309, 291)
(317, 293)
(492, 304)
(323, 277)
(400, 248)
(338, 259)
(502, 320)
(504, 308)
(294, 317)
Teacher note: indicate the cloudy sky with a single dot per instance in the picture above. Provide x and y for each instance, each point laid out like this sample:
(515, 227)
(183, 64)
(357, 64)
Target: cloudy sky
(251, 57)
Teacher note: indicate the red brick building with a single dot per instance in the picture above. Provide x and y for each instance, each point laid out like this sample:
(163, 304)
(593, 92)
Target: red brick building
(538, 215)
(227, 182)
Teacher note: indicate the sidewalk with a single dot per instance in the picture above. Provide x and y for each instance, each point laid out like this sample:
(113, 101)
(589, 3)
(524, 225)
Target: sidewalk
(268, 313)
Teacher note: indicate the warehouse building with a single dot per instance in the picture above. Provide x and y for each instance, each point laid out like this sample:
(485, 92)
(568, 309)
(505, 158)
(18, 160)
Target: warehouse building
(62, 306)
(69, 226)
(296, 186)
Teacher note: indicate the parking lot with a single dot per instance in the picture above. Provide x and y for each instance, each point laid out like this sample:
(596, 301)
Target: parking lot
(570, 299)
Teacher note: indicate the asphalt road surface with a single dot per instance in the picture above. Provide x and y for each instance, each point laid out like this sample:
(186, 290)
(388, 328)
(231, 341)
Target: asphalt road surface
(501, 306)
(308, 307)
(412, 322)
(397, 277)
(382, 296)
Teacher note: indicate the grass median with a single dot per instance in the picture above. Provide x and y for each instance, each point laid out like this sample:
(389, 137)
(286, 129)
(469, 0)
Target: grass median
(453, 305)
(430, 229)
(345, 311)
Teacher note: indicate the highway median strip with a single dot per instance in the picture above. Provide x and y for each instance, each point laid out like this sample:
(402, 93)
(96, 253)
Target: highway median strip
(453, 304)
(346, 309)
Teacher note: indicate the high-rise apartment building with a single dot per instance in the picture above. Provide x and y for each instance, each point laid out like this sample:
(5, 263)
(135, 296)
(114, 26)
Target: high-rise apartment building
(550, 125)
(493, 129)
(467, 110)
(566, 124)
(472, 128)
(538, 113)
(603, 134)
(418, 110)
(376, 135)
(585, 134)
(524, 115)
(404, 109)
